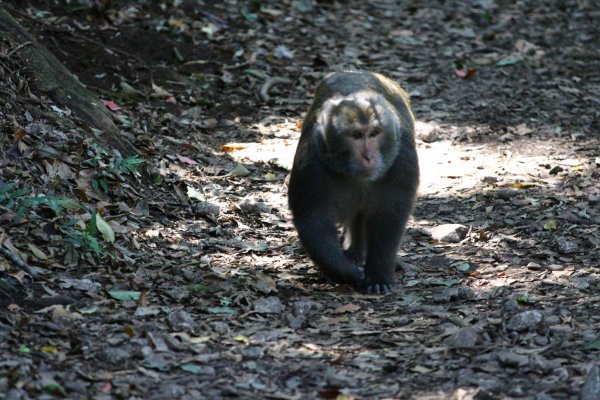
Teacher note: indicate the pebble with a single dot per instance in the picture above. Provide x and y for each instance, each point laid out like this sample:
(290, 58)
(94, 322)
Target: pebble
(526, 320)
(451, 233)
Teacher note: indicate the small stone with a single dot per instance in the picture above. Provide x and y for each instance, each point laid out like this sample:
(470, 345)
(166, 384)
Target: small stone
(566, 246)
(553, 320)
(556, 170)
(113, 355)
(526, 320)
(206, 209)
(510, 359)
(591, 386)
(302, 307)
(252, 352)
(268, 305)
(253, 208)
(464, 338)
(451, 233)
(181, 321)
(489, 179)
(428, 132)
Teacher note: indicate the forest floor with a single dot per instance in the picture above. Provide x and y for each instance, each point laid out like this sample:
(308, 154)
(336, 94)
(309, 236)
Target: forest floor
(205, 291)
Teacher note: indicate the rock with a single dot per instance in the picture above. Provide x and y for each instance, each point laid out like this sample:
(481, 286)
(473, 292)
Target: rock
(206, 209)
(464, 338)
(591, 386)
(301, 307)
(252, 352)
(453, 294)
(113, 355)
(268, 305)
(428, 132)
(510, 359)
(566, 246)
(181, 321)
(452, 233)
(526, 320)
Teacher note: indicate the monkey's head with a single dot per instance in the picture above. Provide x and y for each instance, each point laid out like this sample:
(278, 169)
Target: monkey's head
(361, 134)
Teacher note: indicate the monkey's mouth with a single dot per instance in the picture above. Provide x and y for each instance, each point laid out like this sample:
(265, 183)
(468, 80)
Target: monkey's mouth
(369, 174)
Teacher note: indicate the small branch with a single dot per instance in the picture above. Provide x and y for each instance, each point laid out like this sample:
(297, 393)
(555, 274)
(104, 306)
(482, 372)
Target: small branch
(18, 261)
(264, 90)
(19, 47)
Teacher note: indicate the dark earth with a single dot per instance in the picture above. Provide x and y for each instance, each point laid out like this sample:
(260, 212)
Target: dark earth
(205, 291)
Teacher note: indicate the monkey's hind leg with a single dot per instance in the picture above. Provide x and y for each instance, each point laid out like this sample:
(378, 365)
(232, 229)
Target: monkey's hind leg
(355, 240)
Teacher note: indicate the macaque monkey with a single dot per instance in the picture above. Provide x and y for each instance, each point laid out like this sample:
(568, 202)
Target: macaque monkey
(355, 166)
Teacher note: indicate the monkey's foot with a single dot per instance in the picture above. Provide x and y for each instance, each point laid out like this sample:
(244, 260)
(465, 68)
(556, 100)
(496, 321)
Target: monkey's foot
(379, 288)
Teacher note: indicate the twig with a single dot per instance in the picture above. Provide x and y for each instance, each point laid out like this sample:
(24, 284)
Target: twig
(264, 90)
(19, 47)
(18, 261)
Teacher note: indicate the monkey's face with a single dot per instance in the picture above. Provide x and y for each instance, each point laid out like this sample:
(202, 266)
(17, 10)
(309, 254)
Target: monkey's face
(360, 138)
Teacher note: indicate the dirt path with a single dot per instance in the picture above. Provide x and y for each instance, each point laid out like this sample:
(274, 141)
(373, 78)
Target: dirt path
(507, 101)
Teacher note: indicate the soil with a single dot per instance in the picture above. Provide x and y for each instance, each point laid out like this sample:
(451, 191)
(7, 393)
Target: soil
(205, 291)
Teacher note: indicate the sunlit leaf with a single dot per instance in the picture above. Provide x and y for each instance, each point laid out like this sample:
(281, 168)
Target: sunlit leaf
(550, 225)
(524, 185)
(49, 349)
(508, 61)
(192, 368)
(229, 147)
(242, 339)
(124, 295)
(222, 310)
(199, 339)
(239, 170)
(90, 310)
(39, 254)
(421, 369)
(195, 194)
(105, 229)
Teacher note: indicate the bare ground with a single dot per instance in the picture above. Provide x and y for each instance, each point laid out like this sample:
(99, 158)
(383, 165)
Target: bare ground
(223, 302)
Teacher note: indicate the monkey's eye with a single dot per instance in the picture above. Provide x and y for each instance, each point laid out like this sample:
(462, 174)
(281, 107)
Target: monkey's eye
(356, 135)
(375, 132)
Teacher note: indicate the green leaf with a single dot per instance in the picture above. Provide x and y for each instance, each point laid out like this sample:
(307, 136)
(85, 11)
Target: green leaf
(54, 388)
(595, 345)
(197, 287)
(523, 299)
(105, 229)
(23, 349)
(508, 61)
(550, 225)
(463, 267)
(124, 295)
(222, 310)
(192, 368)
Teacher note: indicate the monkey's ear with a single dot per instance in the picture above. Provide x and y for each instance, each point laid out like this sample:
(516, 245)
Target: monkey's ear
(325, 115)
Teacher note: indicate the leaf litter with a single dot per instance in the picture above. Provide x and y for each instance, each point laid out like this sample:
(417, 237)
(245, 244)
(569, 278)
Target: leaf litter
(194, 285)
